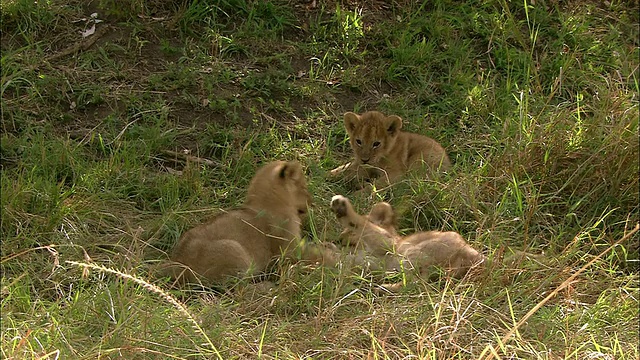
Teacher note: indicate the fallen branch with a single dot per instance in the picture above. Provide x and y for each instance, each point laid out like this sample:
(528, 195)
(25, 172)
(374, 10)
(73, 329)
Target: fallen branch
(190, 158)
(82, 45)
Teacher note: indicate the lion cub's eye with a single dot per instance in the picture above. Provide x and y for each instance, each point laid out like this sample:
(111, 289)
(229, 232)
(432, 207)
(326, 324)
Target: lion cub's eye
(376, 144)
(359, 142)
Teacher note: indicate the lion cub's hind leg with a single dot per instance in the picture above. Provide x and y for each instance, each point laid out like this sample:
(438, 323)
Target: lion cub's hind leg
(382, 214)
(210, 269)
(222, 258)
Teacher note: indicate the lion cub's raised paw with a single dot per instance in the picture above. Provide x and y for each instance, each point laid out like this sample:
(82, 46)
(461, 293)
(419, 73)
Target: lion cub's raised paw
(339, 205)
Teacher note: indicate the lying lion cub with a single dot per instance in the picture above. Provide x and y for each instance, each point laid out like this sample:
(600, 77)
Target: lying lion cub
(244, 241)
(420, 251)
(383, 153)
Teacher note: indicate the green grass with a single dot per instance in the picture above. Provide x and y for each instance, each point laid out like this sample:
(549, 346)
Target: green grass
(537, 105)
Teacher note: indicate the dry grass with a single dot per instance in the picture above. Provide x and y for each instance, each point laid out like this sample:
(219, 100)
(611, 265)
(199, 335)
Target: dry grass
(101, 154)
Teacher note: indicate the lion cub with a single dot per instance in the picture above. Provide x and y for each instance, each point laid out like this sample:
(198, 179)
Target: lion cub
(383, 153)
(244, 241)
(420, 251)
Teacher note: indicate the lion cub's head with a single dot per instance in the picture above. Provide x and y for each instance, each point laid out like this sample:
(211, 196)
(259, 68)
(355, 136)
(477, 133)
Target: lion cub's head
(279, 185)
(372, 134)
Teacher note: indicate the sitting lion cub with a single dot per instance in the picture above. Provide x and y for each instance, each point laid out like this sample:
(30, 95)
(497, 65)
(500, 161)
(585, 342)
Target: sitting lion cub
(245, 240)
(420, 251)
(383, 153)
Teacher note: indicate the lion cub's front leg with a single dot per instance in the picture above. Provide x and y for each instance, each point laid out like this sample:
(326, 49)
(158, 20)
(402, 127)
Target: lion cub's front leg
(385, 178)
(358, 175)
(340, 170)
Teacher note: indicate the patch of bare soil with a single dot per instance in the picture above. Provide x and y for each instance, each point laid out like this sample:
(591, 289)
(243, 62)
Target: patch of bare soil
(143, 49)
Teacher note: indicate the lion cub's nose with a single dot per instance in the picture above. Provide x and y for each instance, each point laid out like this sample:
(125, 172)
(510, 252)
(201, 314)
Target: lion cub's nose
(364, 161)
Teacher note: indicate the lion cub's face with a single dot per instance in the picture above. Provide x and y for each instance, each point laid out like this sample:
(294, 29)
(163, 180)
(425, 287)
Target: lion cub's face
(279, 184)
(372, 135)
(297, 187)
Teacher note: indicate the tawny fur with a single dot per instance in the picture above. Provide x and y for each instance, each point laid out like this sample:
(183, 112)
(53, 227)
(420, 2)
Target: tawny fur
(244, 241)
(421, 251)
(383, 153)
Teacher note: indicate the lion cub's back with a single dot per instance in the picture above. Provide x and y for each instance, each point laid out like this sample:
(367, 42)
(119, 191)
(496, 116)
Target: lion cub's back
(432, 242)
(225, 232)
(445, 249)
(421, 147)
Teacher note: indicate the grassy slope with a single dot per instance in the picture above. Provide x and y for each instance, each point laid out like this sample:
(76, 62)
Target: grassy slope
(537, 105)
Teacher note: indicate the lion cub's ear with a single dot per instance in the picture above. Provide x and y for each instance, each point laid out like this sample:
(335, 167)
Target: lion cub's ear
(290, 170)
(394, 124)
(350, 122)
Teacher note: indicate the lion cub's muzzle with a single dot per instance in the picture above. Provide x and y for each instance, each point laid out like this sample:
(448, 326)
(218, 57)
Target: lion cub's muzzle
(339, 205)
